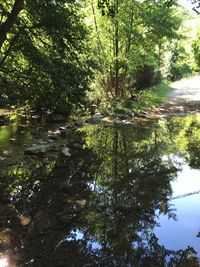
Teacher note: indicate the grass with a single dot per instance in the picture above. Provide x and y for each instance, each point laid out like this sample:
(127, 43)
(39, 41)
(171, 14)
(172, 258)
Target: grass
(145, 100)
(151, 98)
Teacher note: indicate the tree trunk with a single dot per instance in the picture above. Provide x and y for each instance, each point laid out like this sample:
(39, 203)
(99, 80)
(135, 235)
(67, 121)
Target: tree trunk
(10, 21)
(117, 93)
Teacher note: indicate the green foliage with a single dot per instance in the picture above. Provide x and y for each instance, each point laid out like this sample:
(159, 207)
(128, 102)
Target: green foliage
(44, 61)
(129, 45)
(179, 64)
(122, 113)
(151, 98)
(196, 50)
(146, 99)
(145, 77)
(54, 57)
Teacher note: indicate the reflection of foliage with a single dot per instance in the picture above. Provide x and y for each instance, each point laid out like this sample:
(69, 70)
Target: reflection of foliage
(133, 181)
(188, 138)
(98, 207)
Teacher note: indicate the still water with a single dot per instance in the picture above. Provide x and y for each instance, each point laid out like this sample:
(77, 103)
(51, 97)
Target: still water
(122, 195)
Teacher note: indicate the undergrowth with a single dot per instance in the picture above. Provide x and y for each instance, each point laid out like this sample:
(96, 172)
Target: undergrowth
(144, 100)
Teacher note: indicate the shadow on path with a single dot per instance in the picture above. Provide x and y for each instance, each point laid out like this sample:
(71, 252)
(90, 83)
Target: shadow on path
(184, 98)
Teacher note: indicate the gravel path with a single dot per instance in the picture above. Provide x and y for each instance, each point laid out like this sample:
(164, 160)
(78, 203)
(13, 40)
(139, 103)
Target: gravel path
(185, 91)
(183, 99)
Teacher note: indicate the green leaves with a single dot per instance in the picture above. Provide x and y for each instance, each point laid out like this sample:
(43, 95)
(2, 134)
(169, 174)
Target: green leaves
(134, 38)
(44, 61)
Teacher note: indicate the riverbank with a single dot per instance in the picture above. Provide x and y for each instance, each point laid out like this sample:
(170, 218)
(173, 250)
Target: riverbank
(179, 98)
(141, 104)
(110, 111)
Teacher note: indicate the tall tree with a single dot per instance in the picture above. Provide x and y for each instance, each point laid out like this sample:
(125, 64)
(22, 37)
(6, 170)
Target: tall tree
(43, 60)
(132, 34)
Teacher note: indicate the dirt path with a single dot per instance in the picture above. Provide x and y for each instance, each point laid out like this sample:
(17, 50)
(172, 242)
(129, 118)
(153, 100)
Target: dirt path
(184, 98)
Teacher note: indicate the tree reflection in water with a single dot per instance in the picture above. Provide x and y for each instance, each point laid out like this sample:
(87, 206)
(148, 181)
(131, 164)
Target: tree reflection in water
(96, 208)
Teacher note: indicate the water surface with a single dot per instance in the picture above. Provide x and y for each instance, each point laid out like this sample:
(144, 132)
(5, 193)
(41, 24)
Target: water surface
(126, 195)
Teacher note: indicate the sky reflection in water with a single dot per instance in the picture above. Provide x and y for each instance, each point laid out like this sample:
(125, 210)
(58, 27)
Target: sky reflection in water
(180, 234)
(99, 206)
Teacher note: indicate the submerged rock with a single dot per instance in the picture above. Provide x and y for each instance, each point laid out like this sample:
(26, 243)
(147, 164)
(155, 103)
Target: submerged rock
(63, 133)
(2, 158)
(66, 152)
(36, 150)
(56, 118)
(94, 120)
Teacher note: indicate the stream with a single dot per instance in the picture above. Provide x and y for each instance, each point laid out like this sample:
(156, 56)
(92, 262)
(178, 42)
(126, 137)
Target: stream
(108, 194)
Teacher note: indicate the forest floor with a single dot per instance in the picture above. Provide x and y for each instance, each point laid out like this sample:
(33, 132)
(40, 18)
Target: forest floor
(183, 98)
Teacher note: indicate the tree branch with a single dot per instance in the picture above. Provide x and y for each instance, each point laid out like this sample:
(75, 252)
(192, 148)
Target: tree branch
(10, 21)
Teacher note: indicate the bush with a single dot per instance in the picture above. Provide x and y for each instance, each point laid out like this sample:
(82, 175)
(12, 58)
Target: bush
(145, 77)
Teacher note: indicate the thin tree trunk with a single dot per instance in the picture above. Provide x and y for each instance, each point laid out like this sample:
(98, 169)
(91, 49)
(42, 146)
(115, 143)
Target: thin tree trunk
(128, 47)
(10, 21)
(100, 46)
(117, 93)
(115, 164)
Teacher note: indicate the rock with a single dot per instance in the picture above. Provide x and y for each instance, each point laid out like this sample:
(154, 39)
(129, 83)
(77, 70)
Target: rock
(54, 135)
(97, 116)
(62, 128)
(107, 119)
(36, 150)
(63, 133)
(94, 120)
(56, 118)
(66, 152)
(127, 122)
(77, 145)
(43, 142)
(69, 126)
(35, 117)
(79, 123)
(2, 159)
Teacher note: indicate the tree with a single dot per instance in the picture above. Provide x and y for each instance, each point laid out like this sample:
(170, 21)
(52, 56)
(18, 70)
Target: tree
(44, 61)
(131, 35)
(10, 20)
